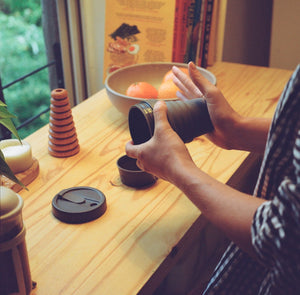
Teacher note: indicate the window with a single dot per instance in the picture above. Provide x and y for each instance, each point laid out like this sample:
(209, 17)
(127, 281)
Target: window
(26, 67)
(34, 34)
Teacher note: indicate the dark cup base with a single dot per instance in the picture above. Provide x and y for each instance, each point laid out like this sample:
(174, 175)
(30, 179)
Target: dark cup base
(131, 175)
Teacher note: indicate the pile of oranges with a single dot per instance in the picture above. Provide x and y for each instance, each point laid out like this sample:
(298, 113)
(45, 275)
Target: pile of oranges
(167, 88)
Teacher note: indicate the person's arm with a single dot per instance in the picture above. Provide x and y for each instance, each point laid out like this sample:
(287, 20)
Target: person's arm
(232, 131)
(166, 156)
(228, 209)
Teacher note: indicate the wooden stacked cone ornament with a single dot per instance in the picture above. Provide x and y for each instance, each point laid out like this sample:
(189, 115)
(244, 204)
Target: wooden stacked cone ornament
(63, 140)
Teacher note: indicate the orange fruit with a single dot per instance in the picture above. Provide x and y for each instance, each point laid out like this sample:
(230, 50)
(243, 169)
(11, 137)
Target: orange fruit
(141, 90)
(169, 75)
(167, 90)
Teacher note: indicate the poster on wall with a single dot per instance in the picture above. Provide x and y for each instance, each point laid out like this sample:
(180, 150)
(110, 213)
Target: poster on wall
(137, 31)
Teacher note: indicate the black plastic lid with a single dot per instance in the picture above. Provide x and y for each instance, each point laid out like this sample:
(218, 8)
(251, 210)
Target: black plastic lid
(78, 204)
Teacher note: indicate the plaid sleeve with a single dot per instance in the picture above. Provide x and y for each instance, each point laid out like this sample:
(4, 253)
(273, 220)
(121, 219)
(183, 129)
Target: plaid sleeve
(276, 228)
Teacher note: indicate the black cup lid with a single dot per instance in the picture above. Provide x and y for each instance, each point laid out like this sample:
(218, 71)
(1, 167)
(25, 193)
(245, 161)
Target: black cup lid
(78, 204)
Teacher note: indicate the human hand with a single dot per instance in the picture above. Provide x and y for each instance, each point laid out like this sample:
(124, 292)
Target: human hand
(165, 154)
(223, 117)
(188, 89)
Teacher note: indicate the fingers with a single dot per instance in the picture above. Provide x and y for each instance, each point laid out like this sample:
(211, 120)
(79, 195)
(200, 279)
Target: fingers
(181, 79)
(161, 121)
(140, 164)
(181, 85)
(185, 84)
(131, 150)
(160, 115)
(181, 96)
(199, 80)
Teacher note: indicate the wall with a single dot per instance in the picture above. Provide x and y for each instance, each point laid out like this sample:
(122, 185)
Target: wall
(251, 35)
(285, 37)
(93, 22)
(247, 31)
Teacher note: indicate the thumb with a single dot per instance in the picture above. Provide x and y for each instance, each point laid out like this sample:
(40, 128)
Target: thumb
(160, 110)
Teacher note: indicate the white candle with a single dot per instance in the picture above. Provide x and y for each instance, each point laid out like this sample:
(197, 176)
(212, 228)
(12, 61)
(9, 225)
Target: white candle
(17, 156)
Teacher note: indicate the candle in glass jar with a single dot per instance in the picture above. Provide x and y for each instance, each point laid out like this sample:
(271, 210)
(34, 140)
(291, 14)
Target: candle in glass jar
(18, 156)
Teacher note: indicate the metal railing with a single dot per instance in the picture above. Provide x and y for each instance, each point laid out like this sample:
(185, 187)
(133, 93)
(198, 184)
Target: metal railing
(57, 62)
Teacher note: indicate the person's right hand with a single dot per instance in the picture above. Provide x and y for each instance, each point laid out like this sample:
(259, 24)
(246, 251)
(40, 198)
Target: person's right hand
(164, 154)
(223, 117)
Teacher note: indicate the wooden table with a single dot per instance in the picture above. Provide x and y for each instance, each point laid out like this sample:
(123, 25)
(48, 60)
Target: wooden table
(143, 232)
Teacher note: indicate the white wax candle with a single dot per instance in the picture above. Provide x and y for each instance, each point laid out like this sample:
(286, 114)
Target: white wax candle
(17, 156)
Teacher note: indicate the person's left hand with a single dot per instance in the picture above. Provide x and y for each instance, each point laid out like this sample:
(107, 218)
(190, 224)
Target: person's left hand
(165, 154)
(188, 89)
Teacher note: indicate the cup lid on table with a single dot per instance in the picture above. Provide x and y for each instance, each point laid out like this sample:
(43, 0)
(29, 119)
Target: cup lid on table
(79, 204)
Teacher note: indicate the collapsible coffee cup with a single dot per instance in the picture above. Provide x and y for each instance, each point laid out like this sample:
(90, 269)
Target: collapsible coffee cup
(189, 119)
(132, 175)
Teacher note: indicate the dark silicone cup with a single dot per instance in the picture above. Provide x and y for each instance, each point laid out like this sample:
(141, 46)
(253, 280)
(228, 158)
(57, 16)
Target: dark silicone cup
(131, 175)
(189, 119)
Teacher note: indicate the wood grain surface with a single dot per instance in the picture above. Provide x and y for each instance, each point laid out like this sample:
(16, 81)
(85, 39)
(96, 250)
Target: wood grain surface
(131, 247)
(25, 177)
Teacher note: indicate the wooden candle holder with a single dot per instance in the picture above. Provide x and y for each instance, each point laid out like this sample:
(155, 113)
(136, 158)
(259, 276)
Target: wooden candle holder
(63, 140)
(26, 177)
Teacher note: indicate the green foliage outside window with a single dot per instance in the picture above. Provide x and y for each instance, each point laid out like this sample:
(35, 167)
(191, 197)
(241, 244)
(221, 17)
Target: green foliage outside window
(22, 50)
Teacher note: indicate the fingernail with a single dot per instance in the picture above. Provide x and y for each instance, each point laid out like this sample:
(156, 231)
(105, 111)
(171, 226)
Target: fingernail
(192, 65)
